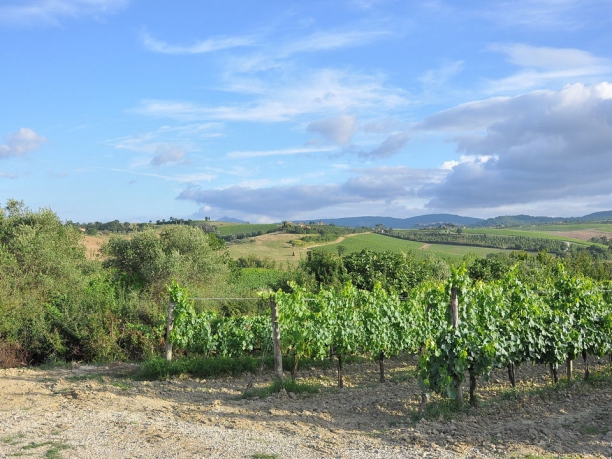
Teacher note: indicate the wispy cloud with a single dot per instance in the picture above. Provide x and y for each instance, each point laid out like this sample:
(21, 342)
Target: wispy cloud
(331, 40)
(319, 92)
(19, 143)
(168, 144)
(283, 152)
(206, 46)
(543, 65)
(193, 178)
(51, 11)
(545, 14)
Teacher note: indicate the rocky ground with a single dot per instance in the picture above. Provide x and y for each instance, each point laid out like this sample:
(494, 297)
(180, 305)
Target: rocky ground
(104, 411)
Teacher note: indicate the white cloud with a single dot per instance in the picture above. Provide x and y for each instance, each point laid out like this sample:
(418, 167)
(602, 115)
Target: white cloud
(168, 144)
(201, 47)
(318, 92)
(19, 143)
(339, 129)
(384, 186)
(541, 146)
(283, 152)
(192, 178)
(328, 40)
(543, 65)
(51, 11)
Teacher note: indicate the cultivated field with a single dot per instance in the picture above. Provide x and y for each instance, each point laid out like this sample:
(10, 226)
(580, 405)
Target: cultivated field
(379, 243)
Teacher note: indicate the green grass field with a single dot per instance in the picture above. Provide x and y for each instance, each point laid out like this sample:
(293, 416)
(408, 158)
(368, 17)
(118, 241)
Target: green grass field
(380, 243)
(603, 227)
(274, 246)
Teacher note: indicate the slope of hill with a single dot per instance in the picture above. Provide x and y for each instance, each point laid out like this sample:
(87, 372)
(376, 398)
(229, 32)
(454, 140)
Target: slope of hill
(598, 216)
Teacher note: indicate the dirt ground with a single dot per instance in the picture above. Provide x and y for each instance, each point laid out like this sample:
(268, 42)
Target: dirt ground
(92, 245)
(583, 234)
(104, 411)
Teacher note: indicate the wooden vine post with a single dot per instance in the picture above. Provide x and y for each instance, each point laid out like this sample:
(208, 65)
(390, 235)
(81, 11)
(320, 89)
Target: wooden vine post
(278, 356)
(423, 403)
(169, 326)
(454, 313)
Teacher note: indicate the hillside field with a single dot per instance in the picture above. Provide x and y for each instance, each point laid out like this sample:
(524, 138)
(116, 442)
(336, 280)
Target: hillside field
(380, 243)
(276, 246)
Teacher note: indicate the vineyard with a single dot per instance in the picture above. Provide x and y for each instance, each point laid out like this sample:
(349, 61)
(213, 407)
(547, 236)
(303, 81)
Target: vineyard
(512, 242)
(499, 324)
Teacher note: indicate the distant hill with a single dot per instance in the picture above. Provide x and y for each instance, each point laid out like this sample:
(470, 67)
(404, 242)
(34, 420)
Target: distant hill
(432, 220)
(598, 216)
(403, 223)
(518, 220)
(524, 220)
(229, 220)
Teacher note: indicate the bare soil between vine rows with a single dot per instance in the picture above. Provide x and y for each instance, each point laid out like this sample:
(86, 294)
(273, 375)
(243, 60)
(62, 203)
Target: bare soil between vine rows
(102, 411)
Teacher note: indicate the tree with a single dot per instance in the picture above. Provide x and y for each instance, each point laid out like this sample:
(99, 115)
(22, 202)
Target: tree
(150, 262)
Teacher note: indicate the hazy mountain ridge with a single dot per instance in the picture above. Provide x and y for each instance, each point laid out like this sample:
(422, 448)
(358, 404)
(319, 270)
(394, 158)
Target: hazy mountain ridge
(522, 220)
(429, 220)
(433, 220)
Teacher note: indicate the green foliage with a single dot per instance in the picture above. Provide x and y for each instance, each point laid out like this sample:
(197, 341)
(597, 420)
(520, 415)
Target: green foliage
(262, 279)
(397, 272)
(199, 367)
(326, 268)
(148, 261)
(234, 232)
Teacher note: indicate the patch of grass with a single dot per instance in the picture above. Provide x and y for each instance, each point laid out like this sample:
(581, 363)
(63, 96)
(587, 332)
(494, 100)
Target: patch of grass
(547, 456)
(206, 367)
(264, 456)
(55, 451)
(122, 385)
(592, 430)
(512, 393)
(12, 439)
(203, 367)
(442, 408)
(403, 375)
(52, 453)
(275, 387)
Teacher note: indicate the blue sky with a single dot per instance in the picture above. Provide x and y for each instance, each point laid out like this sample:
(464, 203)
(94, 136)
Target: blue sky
(139, 110)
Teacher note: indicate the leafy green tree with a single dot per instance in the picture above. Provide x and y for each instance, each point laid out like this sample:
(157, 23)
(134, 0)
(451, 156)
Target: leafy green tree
(327, 268)
(148, 261)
